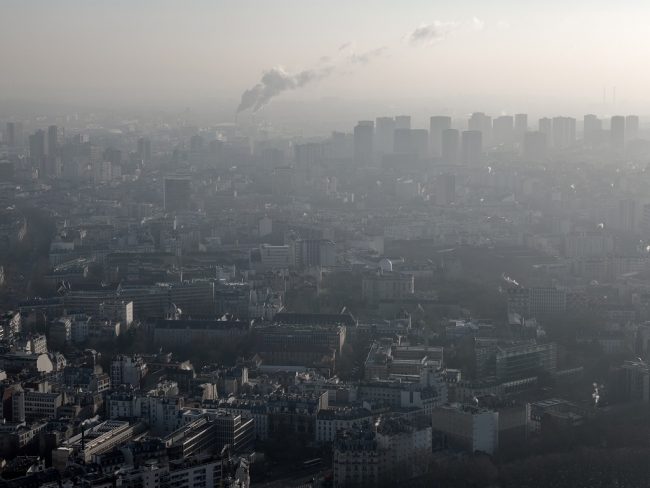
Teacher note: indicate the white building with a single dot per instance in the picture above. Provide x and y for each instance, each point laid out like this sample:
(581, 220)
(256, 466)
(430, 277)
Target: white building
(468, 427)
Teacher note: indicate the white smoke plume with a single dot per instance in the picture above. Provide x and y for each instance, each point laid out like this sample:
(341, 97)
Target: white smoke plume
(368, 56)
(276, 81)
(439, 30)
(431, 33)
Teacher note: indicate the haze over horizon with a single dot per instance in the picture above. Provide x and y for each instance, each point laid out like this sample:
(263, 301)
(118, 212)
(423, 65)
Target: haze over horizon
(504, 57)
(324, 243)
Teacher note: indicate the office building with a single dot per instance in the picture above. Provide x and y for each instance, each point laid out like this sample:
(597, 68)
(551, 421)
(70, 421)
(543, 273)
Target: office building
(503, 130)
(592, 130)
(13, 136)
(482, 123)
(521, 126)
(402, 141)
(437, 125)
(384, 129)
(403, 122)
(471, 147)
(284, 180)
(7, 170)
(412, 142)
(177, 193)
(407, 189)
(583, 245)
(386, 285)
(420, 143)
(645, 219)
(525, 360)
(188, 332)
(33, 405)
(308, 253)
(102, 171)
(268, 257)
(11, 324)
(308, 155)
(552, 412)
(37, 149)
(537, 301)
(617, 132)
(54, 137)
(445, 188)
(534, 146)
(305, 345)
(627, 215)
(450, 146)
(545, 126)
(208, 431)
(631, 127)
(631, 382)
(363, 143)
(384, 362)
(564, 132)
(547, 300)
(467, 427)
(144, 150)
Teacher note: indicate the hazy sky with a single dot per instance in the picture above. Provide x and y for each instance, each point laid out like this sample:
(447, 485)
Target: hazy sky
(507, 52)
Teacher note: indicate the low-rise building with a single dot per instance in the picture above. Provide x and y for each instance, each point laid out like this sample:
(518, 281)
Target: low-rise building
(97, 439)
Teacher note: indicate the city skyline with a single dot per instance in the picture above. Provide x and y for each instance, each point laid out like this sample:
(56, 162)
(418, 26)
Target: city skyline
(324, 244)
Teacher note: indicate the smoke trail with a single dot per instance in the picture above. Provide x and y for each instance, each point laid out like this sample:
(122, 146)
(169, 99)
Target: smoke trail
(431, 33)
(276, 81)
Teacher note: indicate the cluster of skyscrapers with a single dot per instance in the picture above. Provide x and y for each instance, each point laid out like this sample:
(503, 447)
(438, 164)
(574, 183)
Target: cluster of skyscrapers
(452, 141)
